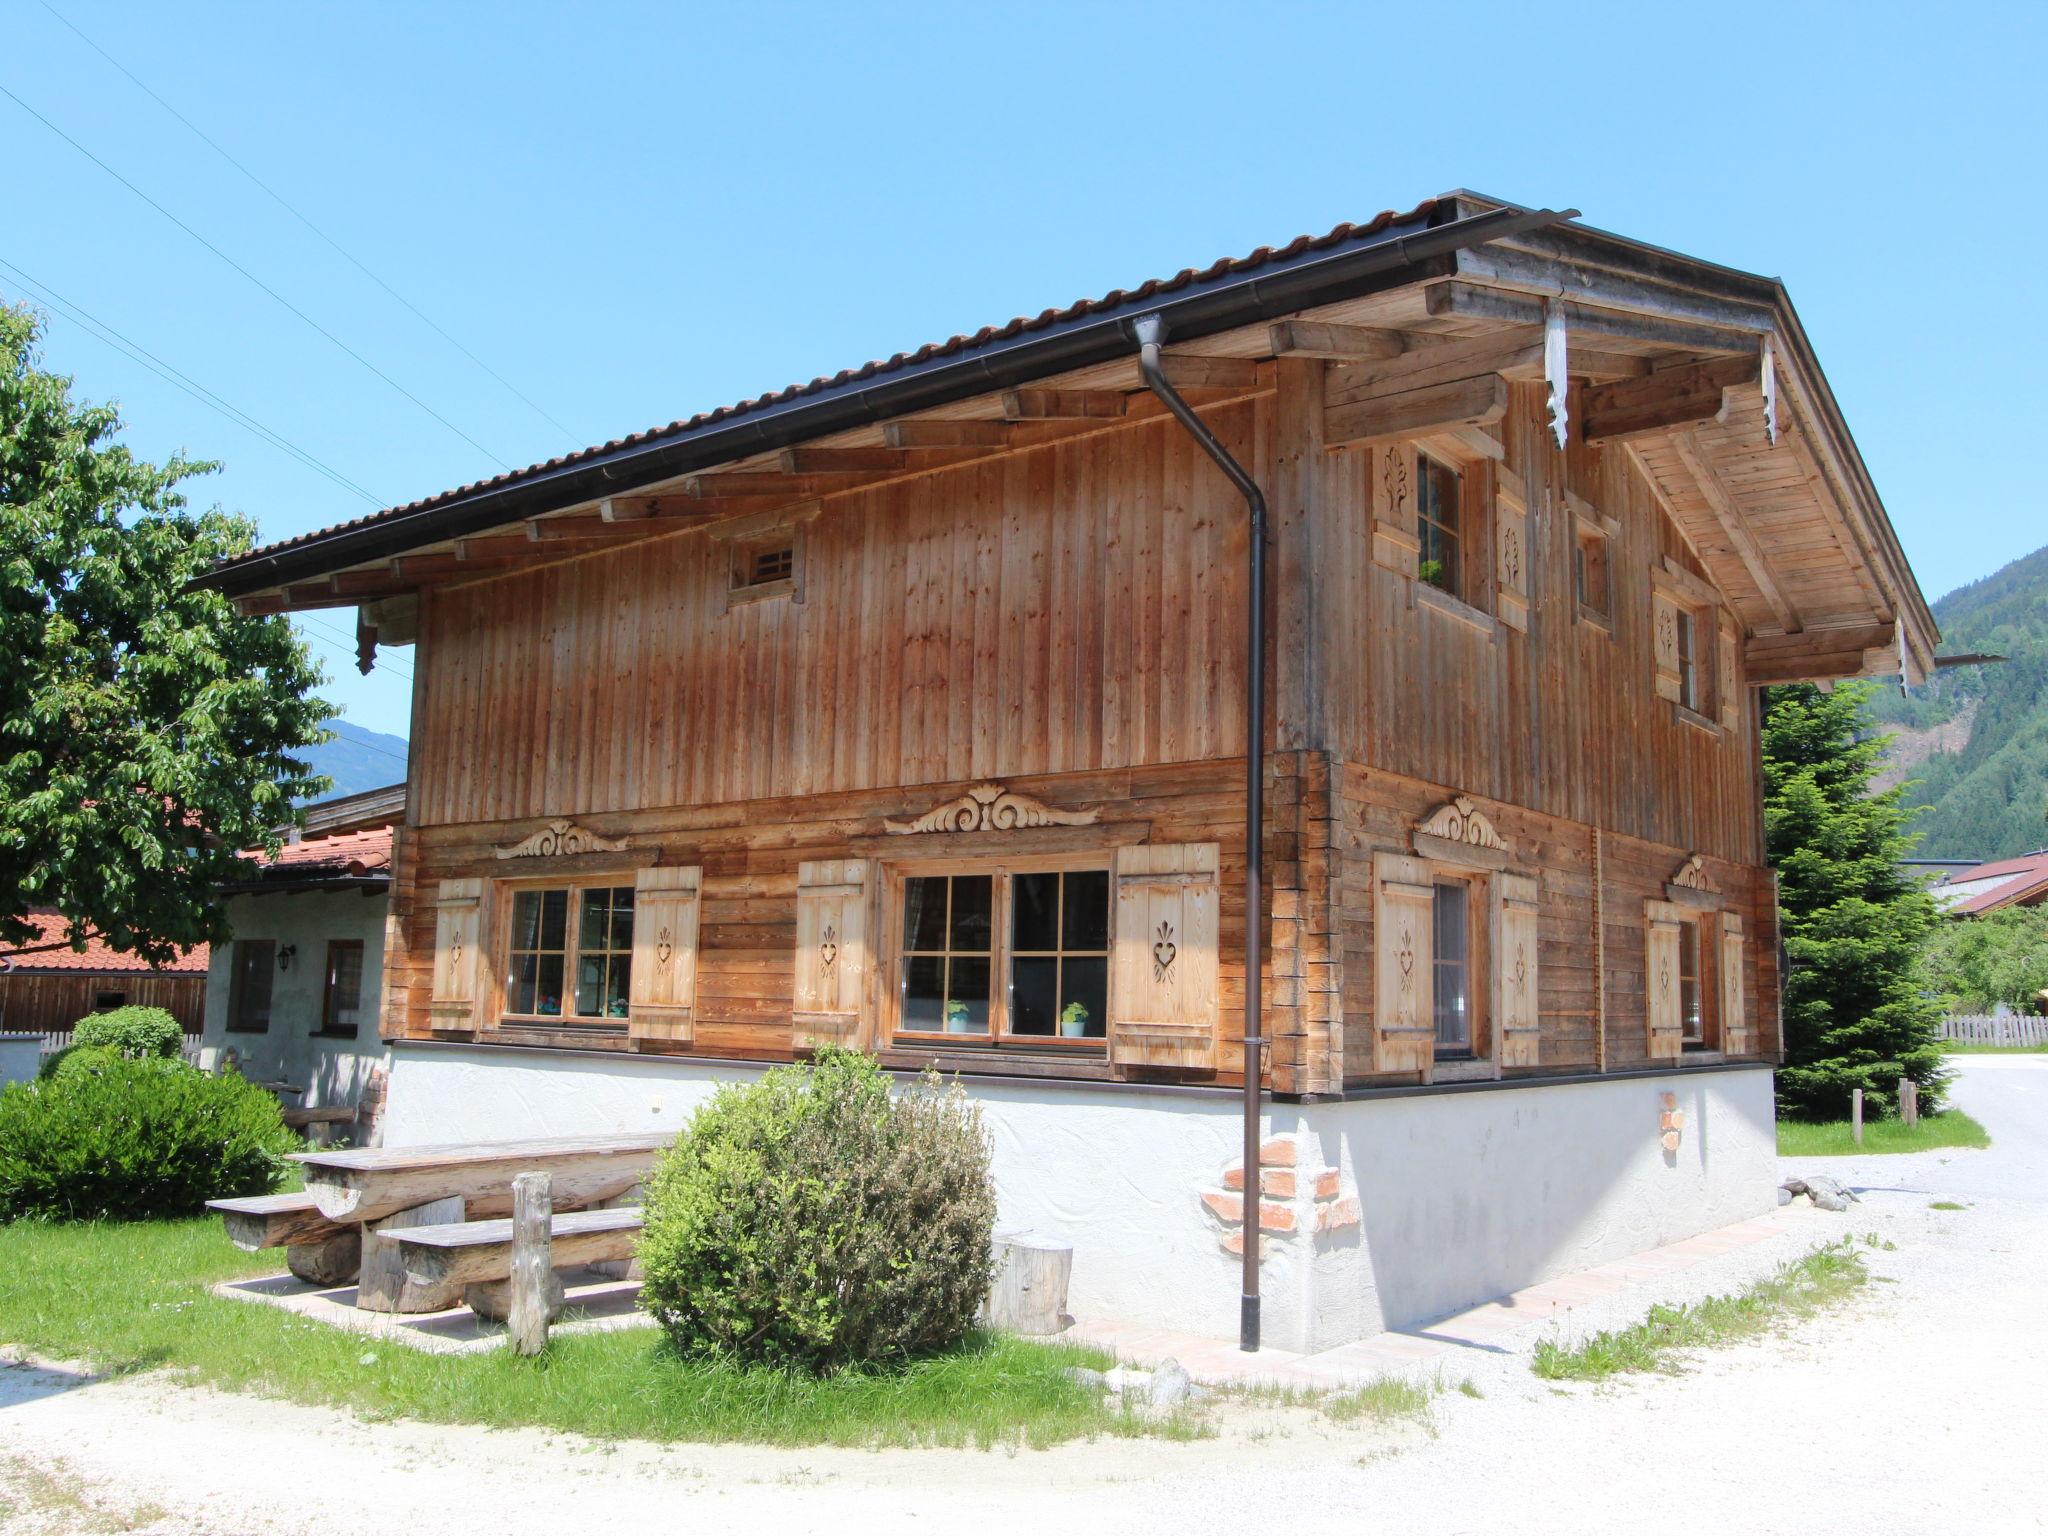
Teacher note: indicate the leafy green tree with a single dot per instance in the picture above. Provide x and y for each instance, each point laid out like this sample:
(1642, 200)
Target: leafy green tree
(147, 730)
(1855, 1014)
(2001, 957)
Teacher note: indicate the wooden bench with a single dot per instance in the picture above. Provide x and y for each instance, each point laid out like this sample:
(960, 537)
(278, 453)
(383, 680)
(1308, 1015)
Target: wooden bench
(320, 1121)
(317, 1250)
(477, 1255)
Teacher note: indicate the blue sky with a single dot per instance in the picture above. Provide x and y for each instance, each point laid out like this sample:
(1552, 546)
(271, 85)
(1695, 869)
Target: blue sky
(632, 213)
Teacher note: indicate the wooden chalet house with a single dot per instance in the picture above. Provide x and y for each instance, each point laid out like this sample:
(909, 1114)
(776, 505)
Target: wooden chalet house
(905, 709)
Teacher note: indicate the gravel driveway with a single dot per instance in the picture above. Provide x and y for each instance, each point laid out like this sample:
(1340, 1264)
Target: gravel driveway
(1917, 1407)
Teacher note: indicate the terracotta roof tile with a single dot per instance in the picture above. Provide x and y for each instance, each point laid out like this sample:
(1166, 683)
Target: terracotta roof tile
(367, 852)
(96, 956)
(1151, 288)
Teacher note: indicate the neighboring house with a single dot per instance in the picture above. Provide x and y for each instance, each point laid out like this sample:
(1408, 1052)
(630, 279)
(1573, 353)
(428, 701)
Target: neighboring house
(294, 995)
(906, 709)
(45, 990)
(2020, 882)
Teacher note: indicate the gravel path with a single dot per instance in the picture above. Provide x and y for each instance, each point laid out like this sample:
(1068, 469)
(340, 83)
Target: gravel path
(1914, 1408)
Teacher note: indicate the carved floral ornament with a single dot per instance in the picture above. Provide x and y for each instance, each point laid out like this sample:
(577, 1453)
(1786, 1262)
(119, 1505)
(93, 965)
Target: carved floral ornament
(1692, 876)
(560, 837)
(1164, 952)
(1460, 821)
(828, 947)
(664, 946)
(992, 808)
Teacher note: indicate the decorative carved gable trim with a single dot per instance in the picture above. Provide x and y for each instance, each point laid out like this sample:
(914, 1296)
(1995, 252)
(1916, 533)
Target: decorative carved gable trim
(1691, 886)
(992, 808)
(1459, 831)
(561, 837)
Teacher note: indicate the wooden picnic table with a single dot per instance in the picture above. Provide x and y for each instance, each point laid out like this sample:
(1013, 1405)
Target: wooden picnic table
(370, 1184)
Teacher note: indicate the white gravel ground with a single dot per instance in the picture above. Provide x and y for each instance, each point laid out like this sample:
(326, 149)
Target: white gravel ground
(1915, 1408)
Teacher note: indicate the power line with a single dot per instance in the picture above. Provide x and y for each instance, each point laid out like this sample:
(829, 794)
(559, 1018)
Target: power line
(252, 277)
(345, 644)
(278, 198)
(137, 352)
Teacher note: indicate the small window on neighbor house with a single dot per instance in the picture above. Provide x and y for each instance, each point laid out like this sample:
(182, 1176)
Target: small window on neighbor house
(1691, 1014)
(1438, 526)
(107, 1002)
(764, 566)
(1689, 662)
(342, 1001)
(1452, 964)
(1589, 572)
(254, 963)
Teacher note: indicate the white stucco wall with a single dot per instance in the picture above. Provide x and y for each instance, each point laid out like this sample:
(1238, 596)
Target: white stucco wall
(1462, 1196)
(331, 1070)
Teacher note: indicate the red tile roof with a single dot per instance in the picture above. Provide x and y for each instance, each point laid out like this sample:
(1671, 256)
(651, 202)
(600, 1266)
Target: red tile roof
(96, 956)
(1151, 288)
(367, 852)
(2003, 883)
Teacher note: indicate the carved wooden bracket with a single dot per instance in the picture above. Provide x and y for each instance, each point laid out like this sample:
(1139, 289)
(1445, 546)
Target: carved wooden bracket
(1458, 831)
(1692, 876)
(992, 808)
(561, 837)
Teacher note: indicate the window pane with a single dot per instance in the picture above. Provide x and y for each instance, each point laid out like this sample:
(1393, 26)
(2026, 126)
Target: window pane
(554, 919)
(924, 992)
(622, 917)
(547, 997)
(1084, 998)
(344, 985)
(1452, 999)
(1034, 995)
(1691, 1023)
(619, 986)
(973, 906)
(520, 985)
(589, 984)
(1582, 591)
(967, 997)
(1035, 912)
(924, 912)
(1086, 922)
(526, 920)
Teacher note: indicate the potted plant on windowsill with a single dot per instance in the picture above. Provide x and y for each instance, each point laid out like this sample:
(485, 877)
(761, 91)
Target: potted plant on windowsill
(1074, 1021)
(958, 1021)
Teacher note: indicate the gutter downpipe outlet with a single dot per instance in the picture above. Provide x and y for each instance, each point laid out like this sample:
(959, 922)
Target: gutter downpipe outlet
(1151, 333)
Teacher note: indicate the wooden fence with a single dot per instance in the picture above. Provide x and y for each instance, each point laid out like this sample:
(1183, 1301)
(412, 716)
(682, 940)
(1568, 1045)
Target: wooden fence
(1983, 1029)
(56, 1040)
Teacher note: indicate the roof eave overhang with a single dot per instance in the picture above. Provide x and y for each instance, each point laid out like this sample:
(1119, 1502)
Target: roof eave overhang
(1390, 257)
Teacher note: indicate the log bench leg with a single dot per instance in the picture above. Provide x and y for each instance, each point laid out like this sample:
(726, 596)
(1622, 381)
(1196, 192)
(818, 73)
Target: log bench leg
(620, 1269)
(492, 1299)
(331, 1261)
(383, 1286)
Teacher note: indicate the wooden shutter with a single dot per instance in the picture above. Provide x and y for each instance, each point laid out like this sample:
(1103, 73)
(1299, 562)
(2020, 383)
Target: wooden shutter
(1660, 982)
(1516, 997)
(1164, 987)
(1394, 543)
(1404, 926)
(1510, 548)
(1728, 675)
(458, 942)
(1664, 637)
(831, 953)
(1735, 1036)
(662, 997)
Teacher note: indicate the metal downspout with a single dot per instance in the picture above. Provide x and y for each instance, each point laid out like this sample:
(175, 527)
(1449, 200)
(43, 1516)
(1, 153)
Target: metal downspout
(1151, 333)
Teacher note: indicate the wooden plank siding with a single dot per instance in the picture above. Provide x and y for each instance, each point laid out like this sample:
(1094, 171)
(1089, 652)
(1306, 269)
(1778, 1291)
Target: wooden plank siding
(50, 1002)
(1067, 619)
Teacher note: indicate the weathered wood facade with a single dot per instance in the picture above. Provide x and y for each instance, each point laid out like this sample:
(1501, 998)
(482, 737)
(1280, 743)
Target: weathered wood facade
(1001, 637)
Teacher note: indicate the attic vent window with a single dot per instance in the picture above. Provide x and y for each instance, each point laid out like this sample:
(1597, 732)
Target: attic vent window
(766, 565)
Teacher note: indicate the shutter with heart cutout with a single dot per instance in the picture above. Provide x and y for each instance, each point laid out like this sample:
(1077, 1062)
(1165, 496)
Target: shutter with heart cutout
(1735, 1035)
(1404, 928)
(1516, 1000)
(1663, 1006)
(662, 997)
(1164, 984)
(831, 953)
(455, 1002)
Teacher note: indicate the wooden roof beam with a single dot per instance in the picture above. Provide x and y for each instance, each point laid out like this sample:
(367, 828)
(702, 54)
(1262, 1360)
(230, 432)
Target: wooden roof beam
(920, 433)
(1339, 343)
(1062, 404)
(1857, 650)
(1672, 397)
(1735, 527)
(756, 483)
(1470, 402)
(1470, 301)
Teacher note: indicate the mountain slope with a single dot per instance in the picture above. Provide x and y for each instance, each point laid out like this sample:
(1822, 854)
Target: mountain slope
(1987, 797)
(357, 759)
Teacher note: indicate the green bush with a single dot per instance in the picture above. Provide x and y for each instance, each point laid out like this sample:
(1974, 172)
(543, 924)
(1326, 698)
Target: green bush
(76, 1058)
(129, 1140)
(132, 1031)
(809, 1220)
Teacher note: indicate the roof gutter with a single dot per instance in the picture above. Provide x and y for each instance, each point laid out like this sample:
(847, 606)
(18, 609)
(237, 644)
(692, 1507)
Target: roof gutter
(1223, 304)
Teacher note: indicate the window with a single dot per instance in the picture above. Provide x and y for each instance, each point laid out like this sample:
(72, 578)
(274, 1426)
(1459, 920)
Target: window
(765, 566)
(1589, 573)
(1438, 529)
(342, 1000)
(1689, 661)
(777, 563)
(1452, 968)
(254, 964)
(1691, 1015)
(106, 1002)
(579, 970)
(1016, 956)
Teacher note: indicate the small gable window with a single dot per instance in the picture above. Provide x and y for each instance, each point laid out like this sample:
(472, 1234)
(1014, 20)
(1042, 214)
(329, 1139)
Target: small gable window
(1439, 529)
(1689, 661)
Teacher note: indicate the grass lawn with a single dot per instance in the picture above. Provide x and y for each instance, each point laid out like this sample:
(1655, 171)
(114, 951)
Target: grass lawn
(132, 1296)
(1976, 1048)
(1797, 1289)
(1832, 1138)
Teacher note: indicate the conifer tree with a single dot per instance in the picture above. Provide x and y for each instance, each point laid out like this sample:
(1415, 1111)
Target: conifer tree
(1853, 921)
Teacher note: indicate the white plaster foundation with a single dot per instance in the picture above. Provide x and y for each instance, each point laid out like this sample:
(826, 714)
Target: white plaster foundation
(1463, 1196)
